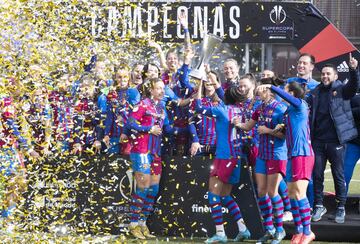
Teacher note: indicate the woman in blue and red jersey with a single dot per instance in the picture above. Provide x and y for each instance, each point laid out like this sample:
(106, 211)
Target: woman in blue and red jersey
(61, 102)
(202, 128)
(271, 162)
(301, 157)
(87, 118)
(119, 102)
(225, 170)
(147, 121)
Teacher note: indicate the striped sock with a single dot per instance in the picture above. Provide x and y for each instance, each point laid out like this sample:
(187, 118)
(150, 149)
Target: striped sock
(278, 210)
(296, 215)
(266, 212)
(284, 193)
(304, 208)
(216, 211)
(137, 204)
(149, 202)
(233, 207)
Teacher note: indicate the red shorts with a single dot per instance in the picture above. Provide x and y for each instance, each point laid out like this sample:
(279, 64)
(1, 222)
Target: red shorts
(156, 167)
(125, 148)
(253, 155)
(301, 168)
(276, 166)
(227, 170)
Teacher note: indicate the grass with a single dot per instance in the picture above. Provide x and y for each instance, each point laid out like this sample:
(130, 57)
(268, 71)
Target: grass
(47, 238)
(354, 187)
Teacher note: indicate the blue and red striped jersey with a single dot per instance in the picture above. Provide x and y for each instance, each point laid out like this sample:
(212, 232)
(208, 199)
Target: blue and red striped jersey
(271, 114)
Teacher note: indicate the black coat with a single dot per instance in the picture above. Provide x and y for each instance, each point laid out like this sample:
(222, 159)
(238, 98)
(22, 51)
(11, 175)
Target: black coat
(340, 109)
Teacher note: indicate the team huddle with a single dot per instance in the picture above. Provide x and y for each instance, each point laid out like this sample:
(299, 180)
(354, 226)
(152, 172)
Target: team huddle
(146, 111)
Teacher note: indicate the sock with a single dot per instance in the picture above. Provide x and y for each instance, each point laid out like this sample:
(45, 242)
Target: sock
(304, 208)
(220, 231)
(234, 210)
(284, 193)
(216, 213)
(296, 215)
(278, 211)
(149, 202)
(266, 212)
(137, 203)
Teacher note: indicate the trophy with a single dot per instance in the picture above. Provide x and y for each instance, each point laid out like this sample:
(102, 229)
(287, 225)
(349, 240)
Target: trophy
(209, 44)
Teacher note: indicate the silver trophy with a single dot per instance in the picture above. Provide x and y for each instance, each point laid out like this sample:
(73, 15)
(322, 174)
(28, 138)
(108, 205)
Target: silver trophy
(209, 44)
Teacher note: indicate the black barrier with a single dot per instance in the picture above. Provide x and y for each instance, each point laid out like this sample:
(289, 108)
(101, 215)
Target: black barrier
(92, 195)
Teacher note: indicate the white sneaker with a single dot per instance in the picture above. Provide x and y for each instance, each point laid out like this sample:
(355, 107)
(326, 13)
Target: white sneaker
(287, 217)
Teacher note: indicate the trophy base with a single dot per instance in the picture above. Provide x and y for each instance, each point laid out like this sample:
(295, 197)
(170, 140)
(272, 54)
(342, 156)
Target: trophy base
(198, 74)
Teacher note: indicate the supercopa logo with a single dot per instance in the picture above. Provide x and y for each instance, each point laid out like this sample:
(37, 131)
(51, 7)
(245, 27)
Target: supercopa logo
(127, 185)
(277, 14)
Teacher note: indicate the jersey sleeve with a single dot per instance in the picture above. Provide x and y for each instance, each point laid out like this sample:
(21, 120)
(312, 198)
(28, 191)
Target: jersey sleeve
(255, 115)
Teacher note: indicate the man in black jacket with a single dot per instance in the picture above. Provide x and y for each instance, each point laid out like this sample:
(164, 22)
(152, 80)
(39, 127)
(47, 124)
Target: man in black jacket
(332, 125)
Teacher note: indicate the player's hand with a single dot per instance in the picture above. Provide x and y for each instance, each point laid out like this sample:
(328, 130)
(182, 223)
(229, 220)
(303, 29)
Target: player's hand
(156, 130)
(353, 63)
(236, 121)
(183, 20)
(106, 140)
(97, 146)
(188, 55)
(195, 147)
(279, 127)
(212, 79)
(34, 154)
(123, 138)
(263, 130)
(77, 148)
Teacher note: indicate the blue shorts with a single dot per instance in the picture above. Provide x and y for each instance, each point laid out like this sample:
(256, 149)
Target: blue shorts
(114, 147)
(141, 162)
(260, 166)
(288, 177)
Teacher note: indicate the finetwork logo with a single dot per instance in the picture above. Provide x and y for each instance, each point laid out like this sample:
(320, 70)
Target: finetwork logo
(277, 14)
(343, 67)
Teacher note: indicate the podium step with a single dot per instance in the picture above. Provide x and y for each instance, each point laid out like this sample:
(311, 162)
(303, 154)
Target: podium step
(352, 203)
(327, 230)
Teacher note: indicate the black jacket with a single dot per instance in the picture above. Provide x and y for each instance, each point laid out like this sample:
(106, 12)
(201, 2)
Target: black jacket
(355, 108)
(340, 109)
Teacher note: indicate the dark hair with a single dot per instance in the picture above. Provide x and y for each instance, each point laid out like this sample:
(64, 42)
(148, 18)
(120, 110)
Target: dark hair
(146, 68)
(298, 89)
(312, 58)
(275, 81)
(330, 66)
(231, 95)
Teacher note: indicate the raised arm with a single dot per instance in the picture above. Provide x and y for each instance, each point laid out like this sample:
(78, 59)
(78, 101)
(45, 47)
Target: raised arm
(296, 102)
(160, 52)
(350, 88)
